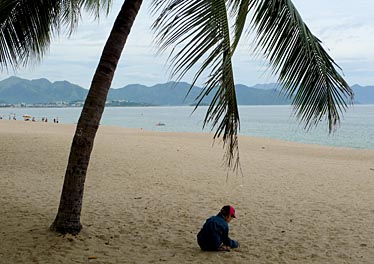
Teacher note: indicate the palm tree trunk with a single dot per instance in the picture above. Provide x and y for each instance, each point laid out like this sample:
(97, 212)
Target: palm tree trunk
(68, 215)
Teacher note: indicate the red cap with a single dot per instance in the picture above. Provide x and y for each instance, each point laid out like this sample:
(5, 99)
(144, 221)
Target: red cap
(228, 210)
(232, 211)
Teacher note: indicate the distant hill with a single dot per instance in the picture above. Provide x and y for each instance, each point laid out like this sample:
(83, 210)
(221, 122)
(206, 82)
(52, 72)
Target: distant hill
(176, 94)
(15, 90)
(160, 94)
(266, 86)
(363, 94)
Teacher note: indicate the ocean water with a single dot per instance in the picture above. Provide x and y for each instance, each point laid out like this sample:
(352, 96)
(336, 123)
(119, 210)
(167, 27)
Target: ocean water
(356, 129)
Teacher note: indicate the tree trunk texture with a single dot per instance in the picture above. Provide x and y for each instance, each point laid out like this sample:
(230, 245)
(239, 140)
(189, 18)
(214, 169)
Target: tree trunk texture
(69, 211)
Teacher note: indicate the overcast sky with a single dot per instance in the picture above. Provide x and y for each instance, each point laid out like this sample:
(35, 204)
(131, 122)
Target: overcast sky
(346, 29)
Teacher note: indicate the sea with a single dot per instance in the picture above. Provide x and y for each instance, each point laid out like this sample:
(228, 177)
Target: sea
(356, 128)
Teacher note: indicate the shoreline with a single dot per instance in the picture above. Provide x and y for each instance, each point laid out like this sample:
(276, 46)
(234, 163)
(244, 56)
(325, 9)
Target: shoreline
(356, 130)
(148, 193)
(211, 134)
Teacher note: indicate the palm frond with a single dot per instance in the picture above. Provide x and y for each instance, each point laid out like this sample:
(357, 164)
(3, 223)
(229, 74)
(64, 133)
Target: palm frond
(304, 67)
(239, 11)
(96, 7)
(70, 13)
(199, 31)
(25, 30)
(27, 27)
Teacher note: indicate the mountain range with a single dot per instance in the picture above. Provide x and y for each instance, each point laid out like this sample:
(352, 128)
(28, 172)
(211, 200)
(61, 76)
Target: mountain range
(14, 90)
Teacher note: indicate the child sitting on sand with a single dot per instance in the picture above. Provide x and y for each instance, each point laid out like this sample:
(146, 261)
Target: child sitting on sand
(214, 235)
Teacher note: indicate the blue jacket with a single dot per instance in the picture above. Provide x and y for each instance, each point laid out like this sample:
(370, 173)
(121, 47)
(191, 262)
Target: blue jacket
(214, 232)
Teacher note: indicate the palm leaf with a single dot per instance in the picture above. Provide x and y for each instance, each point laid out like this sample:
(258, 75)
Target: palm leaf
(25, 30)
(304, 67)
(198, 31)
(96, 7)
(27, 27)
(239, 12)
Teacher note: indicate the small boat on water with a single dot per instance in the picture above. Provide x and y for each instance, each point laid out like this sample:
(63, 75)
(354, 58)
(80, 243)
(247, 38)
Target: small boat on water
(160, 124)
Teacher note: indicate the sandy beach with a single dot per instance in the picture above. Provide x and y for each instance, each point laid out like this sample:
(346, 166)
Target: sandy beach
(147, 195)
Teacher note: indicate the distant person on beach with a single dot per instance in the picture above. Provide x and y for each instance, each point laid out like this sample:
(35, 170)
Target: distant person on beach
(214, 235)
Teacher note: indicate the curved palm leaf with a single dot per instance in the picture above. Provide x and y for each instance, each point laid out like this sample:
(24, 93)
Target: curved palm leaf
(27, 27)
(96, 7)
(202, 27)
(304, 67)
(18, 44)
(239, 11)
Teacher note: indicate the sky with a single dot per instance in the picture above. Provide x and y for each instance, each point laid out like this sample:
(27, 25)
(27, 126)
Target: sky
(346, 29)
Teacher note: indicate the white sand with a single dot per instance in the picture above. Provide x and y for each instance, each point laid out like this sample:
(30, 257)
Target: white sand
(147, 195)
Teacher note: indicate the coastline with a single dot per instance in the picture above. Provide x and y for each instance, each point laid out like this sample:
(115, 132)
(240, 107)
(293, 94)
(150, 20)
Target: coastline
(355, 131)
(148, 193)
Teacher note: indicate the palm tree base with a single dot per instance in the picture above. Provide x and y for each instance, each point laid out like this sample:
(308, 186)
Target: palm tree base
(66, 227)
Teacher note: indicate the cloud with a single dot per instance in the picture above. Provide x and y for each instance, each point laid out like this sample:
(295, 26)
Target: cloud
(346, 29)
